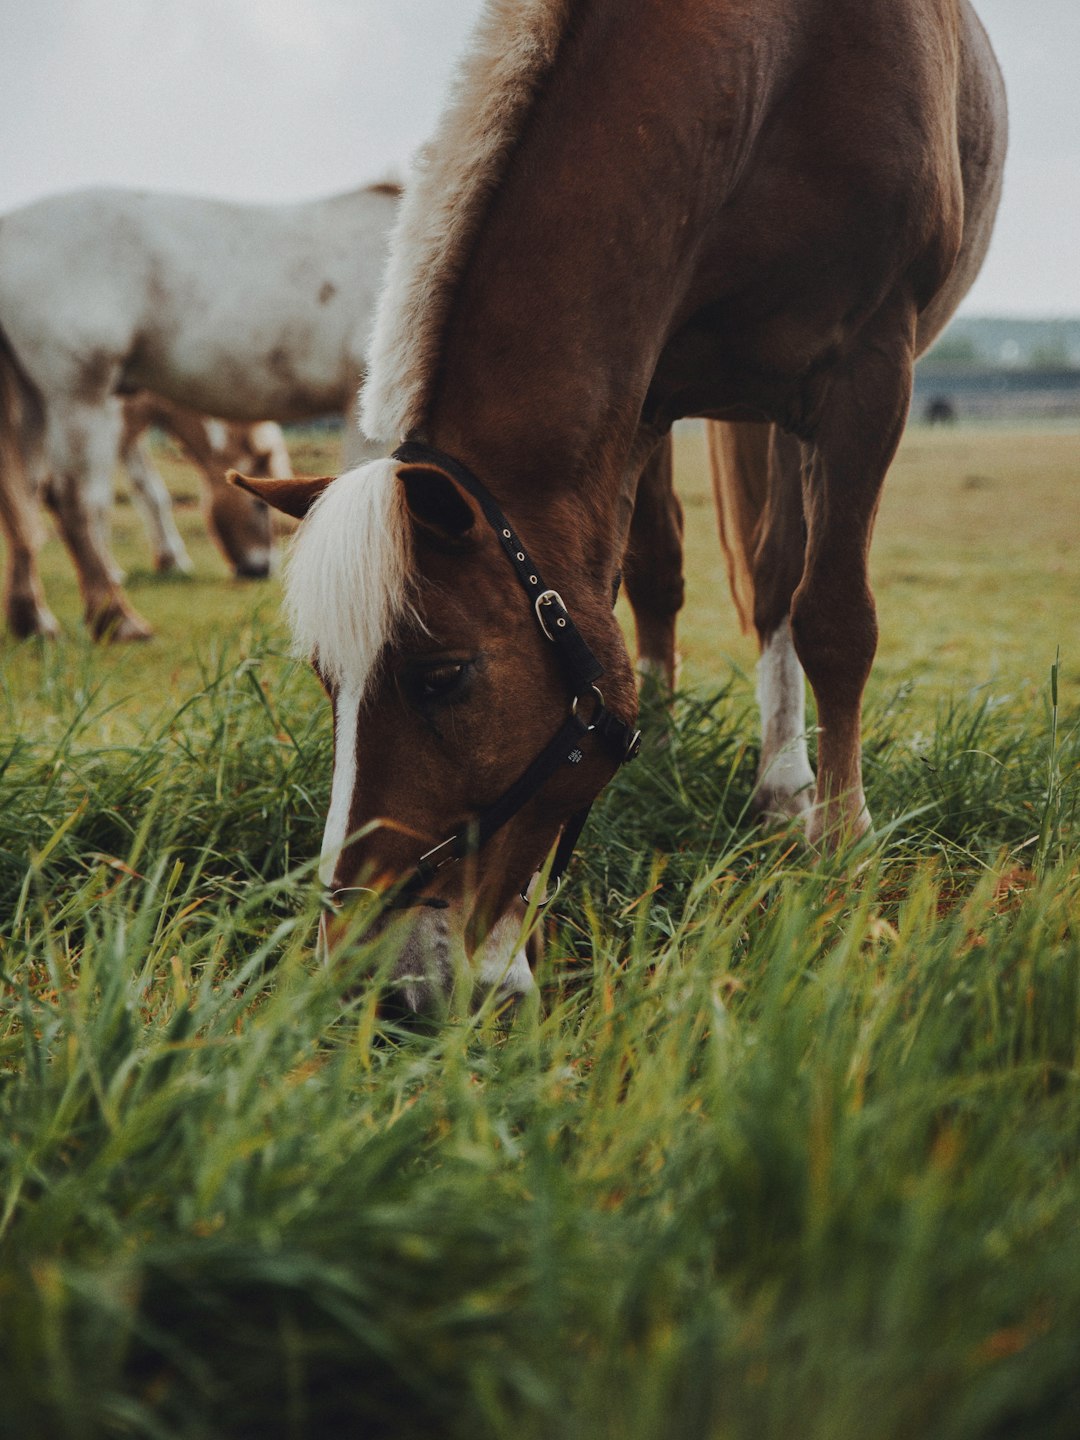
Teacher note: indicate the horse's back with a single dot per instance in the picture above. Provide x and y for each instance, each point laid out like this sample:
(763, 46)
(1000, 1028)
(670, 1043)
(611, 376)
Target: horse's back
(198, 298)
(856, 177)
(981, 140)
(70, 284)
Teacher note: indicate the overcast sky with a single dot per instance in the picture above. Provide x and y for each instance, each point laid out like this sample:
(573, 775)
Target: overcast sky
(285, 99)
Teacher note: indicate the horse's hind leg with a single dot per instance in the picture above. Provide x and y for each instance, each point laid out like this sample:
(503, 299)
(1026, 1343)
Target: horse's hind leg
(757, 477)
(20, 515)
(834, 623)
(155, 506)
(81, 446)
(653, 567)
(24, 600)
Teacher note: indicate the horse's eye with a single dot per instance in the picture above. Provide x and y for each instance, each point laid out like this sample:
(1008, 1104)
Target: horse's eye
(437, 683)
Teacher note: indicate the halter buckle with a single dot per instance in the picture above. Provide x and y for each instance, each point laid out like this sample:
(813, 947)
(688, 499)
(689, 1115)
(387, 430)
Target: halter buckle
(546, 598)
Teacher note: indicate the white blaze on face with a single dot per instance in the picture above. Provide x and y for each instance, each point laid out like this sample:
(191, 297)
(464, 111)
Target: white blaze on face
(336, 830)
(784, 773)
(217, 434)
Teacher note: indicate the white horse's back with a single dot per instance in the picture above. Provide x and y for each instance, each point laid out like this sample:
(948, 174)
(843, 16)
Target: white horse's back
(251, 312)
(247, 311)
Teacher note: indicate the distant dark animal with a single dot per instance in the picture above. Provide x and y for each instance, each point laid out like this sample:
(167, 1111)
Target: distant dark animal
(940, 411)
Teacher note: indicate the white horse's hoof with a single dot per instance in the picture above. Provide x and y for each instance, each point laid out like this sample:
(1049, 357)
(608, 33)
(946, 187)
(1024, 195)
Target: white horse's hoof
(27, 618)
(781, 807)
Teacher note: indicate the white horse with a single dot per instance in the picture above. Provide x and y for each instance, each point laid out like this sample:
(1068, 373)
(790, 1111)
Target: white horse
(242, 531)
(249, 312)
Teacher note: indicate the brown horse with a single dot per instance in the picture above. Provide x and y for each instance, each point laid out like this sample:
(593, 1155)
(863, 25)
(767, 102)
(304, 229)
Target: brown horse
(634, 210)
(238, 523)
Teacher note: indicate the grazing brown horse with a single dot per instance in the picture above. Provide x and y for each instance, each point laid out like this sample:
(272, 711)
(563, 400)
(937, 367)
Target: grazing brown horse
(634, 210)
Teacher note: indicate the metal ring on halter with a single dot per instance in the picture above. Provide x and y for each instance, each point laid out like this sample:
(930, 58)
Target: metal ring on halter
(599, 700)
(544, 899)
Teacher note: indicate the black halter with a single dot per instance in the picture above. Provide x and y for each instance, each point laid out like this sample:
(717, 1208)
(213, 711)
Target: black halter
(582, 671)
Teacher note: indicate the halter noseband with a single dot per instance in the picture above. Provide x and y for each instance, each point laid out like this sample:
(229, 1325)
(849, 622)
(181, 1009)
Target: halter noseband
(581, 669)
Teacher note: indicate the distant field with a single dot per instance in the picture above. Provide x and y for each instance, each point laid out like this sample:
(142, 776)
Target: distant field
(976, 567)
(976, 564)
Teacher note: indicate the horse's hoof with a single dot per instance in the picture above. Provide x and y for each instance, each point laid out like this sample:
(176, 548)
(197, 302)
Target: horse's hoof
(782, 807)
(833, 833)
(26, 618)
(170, 564)
(119, 626)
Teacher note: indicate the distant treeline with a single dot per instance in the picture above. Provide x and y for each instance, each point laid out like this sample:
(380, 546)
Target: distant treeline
(987, 342)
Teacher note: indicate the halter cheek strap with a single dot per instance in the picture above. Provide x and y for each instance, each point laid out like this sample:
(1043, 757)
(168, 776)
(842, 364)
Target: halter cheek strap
(581, 670)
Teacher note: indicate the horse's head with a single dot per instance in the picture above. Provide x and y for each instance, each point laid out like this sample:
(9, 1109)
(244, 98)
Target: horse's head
(481, 696)
(240, 522)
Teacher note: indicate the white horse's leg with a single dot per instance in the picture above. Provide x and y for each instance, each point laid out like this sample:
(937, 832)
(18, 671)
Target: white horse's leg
(155, 508)
(81, 444)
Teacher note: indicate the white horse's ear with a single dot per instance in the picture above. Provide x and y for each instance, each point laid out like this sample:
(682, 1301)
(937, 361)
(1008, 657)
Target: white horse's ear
(293, 497)
(438, 504)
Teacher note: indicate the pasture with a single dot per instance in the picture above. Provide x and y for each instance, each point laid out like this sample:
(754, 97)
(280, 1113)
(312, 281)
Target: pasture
(788, 1149)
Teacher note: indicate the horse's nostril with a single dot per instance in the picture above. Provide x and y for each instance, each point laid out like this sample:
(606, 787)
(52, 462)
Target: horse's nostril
(253, 570)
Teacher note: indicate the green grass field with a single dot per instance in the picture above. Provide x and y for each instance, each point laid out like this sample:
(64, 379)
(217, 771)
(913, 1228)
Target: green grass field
(789, 1148)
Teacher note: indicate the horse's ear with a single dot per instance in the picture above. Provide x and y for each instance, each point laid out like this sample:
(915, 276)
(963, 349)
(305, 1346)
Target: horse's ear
(293, 497)
(438, 504)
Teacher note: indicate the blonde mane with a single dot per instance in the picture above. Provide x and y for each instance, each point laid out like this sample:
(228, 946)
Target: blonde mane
(348, 583)
(512, 51)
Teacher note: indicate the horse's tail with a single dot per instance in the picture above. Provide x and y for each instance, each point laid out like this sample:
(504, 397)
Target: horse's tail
(20, 411)
(739, 460)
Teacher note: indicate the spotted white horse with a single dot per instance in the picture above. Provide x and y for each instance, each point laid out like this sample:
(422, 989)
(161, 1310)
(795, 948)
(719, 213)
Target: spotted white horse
(249, 312)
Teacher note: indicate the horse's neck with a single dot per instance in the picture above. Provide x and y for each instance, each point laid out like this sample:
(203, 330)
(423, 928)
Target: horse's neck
(198, 435)
(581, 264)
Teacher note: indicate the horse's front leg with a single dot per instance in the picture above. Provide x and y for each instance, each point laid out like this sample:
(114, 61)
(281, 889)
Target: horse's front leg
(653, 567)
(156, 509)
(833, 619)
(81, 445)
